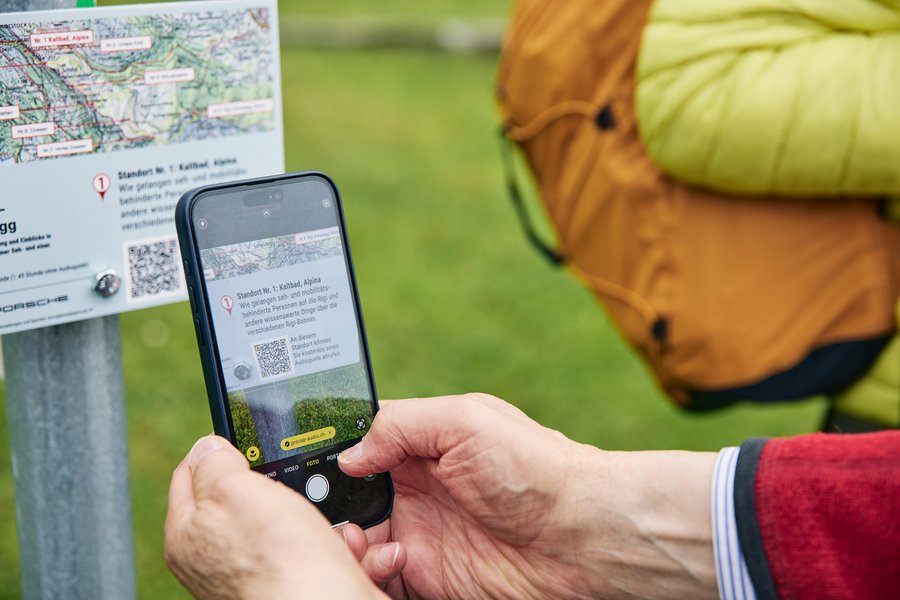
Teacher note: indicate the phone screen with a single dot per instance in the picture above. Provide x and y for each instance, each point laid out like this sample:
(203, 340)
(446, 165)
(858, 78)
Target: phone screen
(289, 339)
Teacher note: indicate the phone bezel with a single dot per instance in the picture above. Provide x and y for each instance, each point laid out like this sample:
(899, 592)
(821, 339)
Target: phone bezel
(209, 351)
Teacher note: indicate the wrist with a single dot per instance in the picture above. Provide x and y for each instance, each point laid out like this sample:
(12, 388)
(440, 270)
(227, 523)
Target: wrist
(641, 524)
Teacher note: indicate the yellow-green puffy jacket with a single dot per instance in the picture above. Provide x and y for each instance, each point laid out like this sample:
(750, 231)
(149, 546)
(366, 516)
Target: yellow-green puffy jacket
(876, 397)
(794, 97)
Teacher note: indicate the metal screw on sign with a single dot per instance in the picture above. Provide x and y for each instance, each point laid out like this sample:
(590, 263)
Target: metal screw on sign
(242, 370)
(107, 283)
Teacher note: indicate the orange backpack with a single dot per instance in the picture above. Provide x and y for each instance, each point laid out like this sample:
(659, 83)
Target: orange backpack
(727, 298)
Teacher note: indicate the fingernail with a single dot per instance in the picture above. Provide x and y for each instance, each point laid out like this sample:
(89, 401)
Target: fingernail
(202, 447)
(351, 454)
(341, 532)
(387, 556)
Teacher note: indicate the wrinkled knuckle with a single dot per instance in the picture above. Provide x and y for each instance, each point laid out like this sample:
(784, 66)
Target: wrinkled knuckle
(386, 411)
(483, 399)
(169, 555)
(172, 553)
(385, 421)
(170, 537)
(220, 488)
(478, 404)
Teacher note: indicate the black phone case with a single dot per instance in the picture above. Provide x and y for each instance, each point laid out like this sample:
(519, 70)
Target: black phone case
(200, 307)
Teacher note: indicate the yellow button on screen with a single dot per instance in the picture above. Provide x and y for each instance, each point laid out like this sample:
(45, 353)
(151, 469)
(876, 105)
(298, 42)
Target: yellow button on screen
(310, 437)
(252, 453)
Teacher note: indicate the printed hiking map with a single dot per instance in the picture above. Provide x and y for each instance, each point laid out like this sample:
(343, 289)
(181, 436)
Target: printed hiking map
(99, 85)
(108, 115)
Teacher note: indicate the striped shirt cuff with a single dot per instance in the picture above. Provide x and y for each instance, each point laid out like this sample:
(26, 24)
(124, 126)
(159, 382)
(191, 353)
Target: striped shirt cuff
(731, 569)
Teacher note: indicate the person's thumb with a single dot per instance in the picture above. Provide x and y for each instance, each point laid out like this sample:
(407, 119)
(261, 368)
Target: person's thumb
(212, 459)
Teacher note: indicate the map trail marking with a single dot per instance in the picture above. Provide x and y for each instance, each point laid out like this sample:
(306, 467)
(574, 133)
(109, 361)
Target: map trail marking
(101, 184)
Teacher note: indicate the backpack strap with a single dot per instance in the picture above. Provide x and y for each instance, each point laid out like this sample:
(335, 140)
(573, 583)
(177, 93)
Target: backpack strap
(510, 133)
(553, 255)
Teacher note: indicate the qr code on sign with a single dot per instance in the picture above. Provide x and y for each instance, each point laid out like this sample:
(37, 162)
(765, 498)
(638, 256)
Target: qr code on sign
(153, 269)
(273, 358)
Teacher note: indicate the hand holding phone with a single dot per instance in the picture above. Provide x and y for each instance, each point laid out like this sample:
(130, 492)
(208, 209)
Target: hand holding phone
(211, 537)
(281, 336)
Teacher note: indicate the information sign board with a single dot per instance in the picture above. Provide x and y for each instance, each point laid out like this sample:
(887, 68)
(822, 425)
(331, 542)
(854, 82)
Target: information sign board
(107, 116)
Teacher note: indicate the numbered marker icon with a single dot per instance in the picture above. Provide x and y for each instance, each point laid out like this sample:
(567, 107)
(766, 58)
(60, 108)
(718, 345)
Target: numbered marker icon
(227, 304)
(101, 184)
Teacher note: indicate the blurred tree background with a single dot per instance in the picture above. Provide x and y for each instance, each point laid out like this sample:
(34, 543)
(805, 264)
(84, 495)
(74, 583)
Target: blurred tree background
(454, 298)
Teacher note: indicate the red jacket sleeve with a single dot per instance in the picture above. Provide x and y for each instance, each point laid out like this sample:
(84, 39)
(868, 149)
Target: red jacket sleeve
(819, 515)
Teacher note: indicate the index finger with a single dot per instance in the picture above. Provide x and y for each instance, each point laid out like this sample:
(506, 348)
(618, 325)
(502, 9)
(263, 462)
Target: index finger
(181, 494)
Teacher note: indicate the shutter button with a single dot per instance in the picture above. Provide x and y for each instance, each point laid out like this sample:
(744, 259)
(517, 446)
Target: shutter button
(316, 488)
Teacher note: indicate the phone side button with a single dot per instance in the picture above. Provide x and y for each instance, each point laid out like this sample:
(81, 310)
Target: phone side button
(199, 335)
(192, 296)
(187, 267)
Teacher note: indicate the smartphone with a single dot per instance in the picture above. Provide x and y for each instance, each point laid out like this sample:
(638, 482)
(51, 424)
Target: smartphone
(281, 334)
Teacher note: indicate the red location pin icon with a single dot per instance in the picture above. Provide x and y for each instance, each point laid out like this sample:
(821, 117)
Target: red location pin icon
(101, 184)
(227, 304)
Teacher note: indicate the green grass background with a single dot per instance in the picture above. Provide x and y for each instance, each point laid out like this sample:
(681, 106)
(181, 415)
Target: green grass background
(454, 299)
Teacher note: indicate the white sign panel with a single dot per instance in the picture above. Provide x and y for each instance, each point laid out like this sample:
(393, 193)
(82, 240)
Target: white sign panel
(107, 116)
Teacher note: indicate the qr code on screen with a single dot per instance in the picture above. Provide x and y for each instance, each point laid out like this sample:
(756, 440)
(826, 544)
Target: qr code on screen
(273, 358)
(154, 269)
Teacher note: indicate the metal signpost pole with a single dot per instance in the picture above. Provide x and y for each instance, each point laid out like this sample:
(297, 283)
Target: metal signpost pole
(70, 460)
(66, 414)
